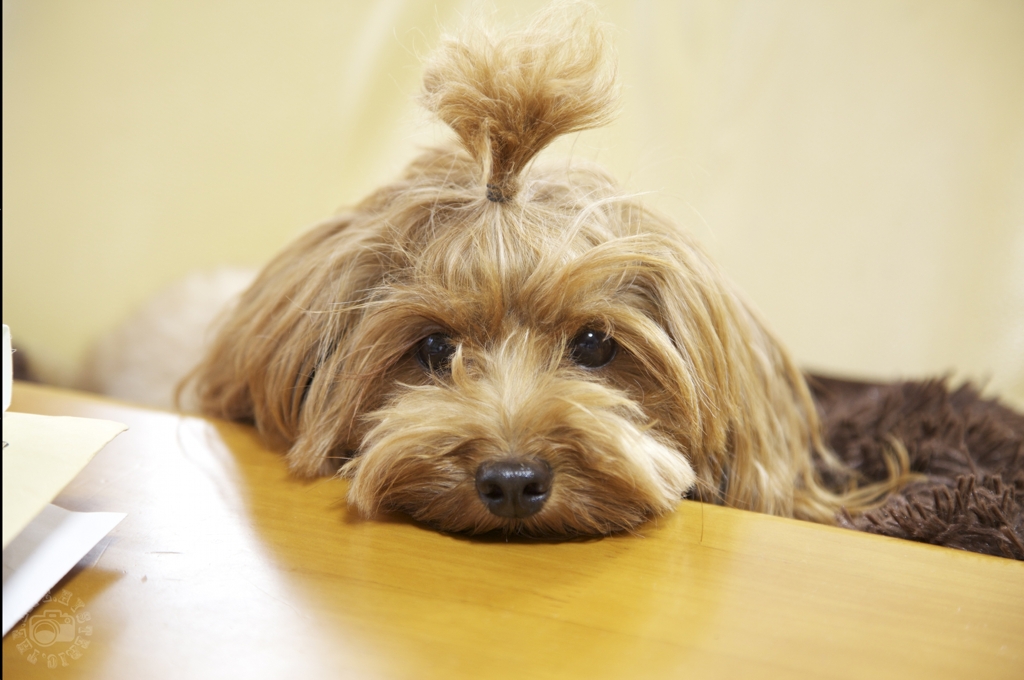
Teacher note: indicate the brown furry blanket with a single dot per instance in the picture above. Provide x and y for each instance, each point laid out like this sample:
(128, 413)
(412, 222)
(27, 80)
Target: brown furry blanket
(969, 449)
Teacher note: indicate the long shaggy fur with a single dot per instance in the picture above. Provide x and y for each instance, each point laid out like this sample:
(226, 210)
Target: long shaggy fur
(512, 260)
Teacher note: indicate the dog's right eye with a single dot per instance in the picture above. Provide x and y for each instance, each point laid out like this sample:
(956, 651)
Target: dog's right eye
(435, 352)
(592, 349)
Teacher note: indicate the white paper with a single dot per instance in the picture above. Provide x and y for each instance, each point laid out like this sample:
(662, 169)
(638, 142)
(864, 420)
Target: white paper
(44, 552)
(43, 454)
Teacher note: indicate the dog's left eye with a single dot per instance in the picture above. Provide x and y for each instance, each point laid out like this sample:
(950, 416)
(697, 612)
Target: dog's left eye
(592, 349)
(435, 352)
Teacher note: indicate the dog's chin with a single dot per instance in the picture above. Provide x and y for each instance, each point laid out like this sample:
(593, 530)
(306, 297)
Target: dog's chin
(607, 472)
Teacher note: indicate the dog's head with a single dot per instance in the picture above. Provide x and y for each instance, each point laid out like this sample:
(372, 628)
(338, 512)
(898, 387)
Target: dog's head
(489, 344)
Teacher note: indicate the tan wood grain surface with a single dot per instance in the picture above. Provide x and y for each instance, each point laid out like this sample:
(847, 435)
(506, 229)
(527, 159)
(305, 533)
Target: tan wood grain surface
(227, 567)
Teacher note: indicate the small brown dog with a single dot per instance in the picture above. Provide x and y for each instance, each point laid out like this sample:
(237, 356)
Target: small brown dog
(487, 344)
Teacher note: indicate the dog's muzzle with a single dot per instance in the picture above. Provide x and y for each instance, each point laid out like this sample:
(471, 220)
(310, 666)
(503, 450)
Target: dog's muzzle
(514, 489)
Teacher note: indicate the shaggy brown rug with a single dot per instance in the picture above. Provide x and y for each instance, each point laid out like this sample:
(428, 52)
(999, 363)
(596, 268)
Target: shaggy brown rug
(970, 451)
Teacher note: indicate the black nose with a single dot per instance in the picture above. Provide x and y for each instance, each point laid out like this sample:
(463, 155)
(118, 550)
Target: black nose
(514, 489)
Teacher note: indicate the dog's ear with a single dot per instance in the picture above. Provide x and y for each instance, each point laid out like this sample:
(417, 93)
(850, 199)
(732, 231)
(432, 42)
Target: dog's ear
(280, 356)
(728, 392)
(508, 96)
(759, 438)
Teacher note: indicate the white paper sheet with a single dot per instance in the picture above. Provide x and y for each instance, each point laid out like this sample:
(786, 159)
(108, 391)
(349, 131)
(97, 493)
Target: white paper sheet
(42, 455)
(44, 551)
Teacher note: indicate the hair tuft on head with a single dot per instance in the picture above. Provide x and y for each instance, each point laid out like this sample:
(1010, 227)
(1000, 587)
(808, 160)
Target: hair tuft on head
(508, 95)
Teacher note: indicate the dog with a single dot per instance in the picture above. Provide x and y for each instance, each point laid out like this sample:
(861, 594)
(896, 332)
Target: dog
(489, 344)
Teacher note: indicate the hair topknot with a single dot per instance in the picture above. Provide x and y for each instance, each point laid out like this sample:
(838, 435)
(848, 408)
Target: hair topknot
(508, 95)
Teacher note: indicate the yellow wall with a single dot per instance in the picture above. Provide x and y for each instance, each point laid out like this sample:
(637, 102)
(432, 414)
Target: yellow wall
(857, 166)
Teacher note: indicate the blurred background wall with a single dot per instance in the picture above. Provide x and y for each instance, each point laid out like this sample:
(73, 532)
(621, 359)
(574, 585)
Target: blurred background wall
(858, 167)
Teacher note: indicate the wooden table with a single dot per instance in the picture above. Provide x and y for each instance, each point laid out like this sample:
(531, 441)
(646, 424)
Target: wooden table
(227, 567)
